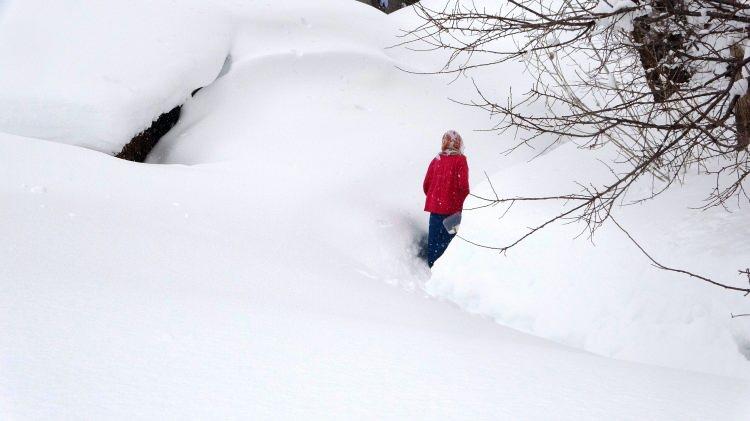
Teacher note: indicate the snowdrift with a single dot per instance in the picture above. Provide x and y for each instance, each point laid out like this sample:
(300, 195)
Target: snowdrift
(245, 271)
(149, 291)
(601, 293)
(99, 83)
(598, 294)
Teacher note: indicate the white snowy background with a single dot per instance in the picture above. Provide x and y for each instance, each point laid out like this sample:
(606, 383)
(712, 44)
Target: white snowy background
(263, 264)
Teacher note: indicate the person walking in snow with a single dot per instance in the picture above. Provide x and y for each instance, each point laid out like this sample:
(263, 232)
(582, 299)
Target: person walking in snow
(446, 186)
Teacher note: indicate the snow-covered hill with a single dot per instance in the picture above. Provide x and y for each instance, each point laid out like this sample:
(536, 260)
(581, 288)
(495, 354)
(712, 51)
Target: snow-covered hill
(141, 291)
(263, 265)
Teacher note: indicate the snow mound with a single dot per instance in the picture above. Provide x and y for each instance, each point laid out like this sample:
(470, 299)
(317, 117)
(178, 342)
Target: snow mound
(248, 277)
(146, 291)
(100, 83)
(96, 74)
(603, 295)
(332, 119)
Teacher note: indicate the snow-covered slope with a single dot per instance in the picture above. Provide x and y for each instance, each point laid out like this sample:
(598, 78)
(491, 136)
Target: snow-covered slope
(139, 291)
(253, 282)
(602, 294)
(95, 74)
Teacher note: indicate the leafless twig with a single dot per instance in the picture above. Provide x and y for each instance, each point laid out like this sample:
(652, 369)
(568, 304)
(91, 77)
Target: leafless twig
(658, 80)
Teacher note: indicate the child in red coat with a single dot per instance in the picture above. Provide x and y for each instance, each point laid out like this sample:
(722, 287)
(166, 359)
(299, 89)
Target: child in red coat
(446, 186)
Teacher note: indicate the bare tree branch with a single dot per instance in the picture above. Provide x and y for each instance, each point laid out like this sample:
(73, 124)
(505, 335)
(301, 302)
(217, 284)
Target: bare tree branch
(662, 81)
(681, 271)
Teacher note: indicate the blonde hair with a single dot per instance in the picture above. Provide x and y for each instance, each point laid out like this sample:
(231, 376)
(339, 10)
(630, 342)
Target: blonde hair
(452, 141)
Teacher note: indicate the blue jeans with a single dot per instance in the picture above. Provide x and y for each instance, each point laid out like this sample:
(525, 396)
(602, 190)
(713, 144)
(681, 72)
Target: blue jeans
(438, 238)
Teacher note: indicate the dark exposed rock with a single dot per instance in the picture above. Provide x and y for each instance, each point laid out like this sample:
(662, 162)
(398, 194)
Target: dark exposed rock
(139, 147)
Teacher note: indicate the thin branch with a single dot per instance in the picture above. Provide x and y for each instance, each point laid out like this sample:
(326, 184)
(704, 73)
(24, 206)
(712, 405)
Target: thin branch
(681, 271)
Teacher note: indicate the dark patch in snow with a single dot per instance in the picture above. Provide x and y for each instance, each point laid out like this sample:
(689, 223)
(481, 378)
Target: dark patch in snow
(744, 347)
(139, 147)
(421, 245)
(389, 6)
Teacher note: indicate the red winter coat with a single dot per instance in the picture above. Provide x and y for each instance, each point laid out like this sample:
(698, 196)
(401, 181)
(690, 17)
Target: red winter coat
(446, 184)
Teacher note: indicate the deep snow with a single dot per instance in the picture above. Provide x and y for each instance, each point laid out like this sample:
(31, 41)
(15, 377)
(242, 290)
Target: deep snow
(599, 294)
(128, 293)
(248, 277)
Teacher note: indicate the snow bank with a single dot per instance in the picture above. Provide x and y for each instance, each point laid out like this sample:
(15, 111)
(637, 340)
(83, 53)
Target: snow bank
(95, 74)
(248, 275)
(329, 117)
(603, 295)
(151, 291)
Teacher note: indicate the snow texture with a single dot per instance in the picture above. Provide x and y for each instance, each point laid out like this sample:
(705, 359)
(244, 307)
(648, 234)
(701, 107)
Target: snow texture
(66, 75)
(603, 295)
(268, 268)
